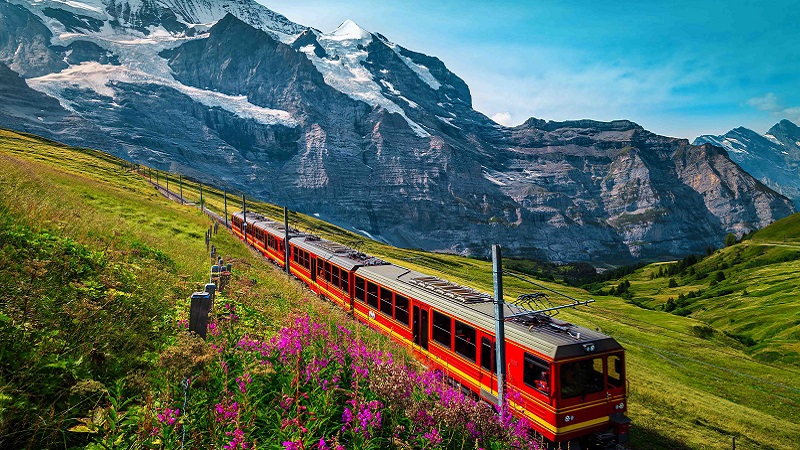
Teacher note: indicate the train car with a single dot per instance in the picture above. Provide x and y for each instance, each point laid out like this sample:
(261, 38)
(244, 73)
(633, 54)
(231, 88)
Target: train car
(570, 380)
(266, 235)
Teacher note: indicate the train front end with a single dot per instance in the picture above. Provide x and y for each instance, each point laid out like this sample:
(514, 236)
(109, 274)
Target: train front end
(572, 384)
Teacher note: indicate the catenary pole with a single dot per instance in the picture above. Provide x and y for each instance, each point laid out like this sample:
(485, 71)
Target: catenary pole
(225, 200)
(500, 332)
(244, 213)
(286, 239)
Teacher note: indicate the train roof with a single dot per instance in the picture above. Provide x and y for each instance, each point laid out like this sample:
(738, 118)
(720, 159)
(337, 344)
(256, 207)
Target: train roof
(550, 337)
(336, 253)
(553, 338)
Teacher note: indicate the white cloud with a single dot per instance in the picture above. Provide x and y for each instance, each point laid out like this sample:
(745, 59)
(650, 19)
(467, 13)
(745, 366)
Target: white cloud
(767, 102)
(503, 118)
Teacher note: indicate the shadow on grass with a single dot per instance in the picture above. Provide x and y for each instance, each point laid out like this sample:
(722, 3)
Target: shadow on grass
(648, 439)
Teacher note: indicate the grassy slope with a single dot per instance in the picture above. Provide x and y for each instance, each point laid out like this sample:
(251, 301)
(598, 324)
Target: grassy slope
(685, 390)
(82, 196)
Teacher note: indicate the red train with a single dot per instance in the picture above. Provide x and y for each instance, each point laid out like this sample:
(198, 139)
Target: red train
(571, 379)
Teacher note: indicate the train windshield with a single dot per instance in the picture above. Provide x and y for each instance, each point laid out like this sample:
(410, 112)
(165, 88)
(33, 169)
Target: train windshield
(581, 378)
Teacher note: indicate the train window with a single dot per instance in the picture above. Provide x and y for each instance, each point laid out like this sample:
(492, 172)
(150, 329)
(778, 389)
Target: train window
(401, 309)
(465, 341)
(361, 294)
(386, 301)
(372, 294)
(487, 354)
(582, 377)
(442, 329)
(536, 373)
(335, 277)
(345, 280)
(615, 371)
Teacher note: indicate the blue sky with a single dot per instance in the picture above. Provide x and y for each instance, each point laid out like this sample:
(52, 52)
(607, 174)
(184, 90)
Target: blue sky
(678, 68)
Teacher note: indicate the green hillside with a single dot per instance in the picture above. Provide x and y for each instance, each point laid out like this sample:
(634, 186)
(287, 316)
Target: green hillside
(747, 295)
(691, 384)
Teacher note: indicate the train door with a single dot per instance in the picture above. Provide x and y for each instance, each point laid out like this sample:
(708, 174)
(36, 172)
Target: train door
(314, 270)
(487, 369)
(421, 327)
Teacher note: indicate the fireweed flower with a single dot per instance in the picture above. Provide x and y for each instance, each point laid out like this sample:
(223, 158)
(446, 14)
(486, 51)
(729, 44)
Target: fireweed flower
(293, 445)
(433, 437)
(213, 329)
(243, 381)
(363, 418)
(226, 410)
(322, 444)
(169, 416)
(238, 440)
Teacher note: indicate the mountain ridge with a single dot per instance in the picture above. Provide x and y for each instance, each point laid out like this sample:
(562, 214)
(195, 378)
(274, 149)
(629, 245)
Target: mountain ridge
(773, 158)
(373, 137)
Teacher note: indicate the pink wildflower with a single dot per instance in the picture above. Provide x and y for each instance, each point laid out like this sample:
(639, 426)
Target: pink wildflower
(169, 416)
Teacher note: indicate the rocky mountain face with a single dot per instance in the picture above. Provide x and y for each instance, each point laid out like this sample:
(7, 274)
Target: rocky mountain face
(360, 131)
(772, 158)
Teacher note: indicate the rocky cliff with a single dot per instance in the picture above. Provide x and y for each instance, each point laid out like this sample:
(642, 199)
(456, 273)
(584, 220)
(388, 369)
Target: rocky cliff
(772, 158)
(360, 131)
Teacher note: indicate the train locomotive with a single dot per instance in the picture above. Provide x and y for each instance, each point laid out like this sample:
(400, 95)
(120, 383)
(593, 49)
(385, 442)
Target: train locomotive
(571, 380)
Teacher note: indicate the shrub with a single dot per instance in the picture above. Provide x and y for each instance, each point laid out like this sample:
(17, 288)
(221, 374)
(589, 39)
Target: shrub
(702, 331)
(673, 283)
(744, 340)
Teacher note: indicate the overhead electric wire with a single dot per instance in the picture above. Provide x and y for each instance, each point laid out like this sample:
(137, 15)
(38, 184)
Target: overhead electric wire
(511, 274)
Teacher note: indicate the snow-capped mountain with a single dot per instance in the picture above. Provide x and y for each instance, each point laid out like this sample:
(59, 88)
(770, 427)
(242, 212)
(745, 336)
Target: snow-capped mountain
(773, 158)
(360, 130)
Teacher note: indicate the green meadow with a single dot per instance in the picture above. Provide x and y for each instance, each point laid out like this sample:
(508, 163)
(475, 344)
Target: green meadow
(716, 363)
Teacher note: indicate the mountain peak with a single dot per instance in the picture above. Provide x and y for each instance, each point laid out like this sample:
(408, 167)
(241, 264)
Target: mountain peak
(349, 30)
(786, 132)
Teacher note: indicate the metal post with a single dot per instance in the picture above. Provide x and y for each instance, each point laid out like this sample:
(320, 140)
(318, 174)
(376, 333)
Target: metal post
(180, 184)
(500, 329)
(156, 177)
(201, 196)
(286, 239)
(225, 199)
(244, 223)
(166, 175)
(149, 175)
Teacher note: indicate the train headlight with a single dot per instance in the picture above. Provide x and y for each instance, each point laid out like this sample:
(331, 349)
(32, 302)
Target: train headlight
(588, 347)
(621, 406)
(569, 418)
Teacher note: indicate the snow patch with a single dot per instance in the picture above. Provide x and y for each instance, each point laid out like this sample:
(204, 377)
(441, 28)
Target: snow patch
(101, 78)
(448, 120)
(773, 139)
(491, 178)
(422, 72)
(342, 68)
(348, 31)
(365, 233)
